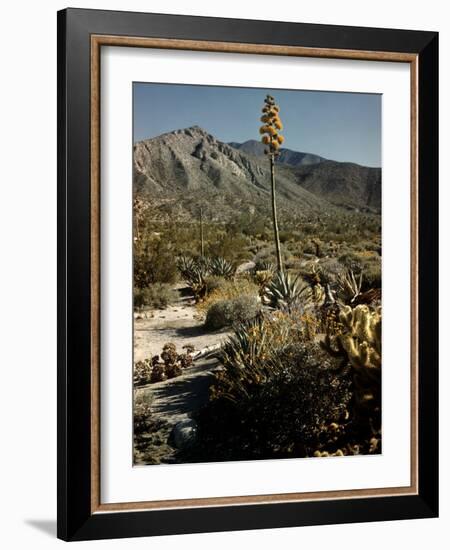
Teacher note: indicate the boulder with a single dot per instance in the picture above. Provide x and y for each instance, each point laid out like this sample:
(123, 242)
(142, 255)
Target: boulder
(184, 433)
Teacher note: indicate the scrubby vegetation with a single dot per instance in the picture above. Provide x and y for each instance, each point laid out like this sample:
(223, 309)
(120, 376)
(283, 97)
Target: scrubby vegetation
(149, 432)
(301, 373)
(297, 299)
(157, 295)
(286, 389)
(226, 313)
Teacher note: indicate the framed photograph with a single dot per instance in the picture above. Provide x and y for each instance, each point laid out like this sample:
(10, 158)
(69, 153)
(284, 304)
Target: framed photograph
(248, 295)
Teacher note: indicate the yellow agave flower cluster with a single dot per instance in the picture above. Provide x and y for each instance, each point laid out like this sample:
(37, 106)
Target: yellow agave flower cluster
(272, 126)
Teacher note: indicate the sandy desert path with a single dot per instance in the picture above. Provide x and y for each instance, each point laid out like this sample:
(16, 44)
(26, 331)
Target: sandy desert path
(179, 323)
(176, 399)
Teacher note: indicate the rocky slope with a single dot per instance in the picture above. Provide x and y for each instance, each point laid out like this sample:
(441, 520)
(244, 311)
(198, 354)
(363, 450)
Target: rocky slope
(287, 156)
(180, 170)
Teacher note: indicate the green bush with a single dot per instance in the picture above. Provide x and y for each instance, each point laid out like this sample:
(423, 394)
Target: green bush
(229, 312)
(157, 296)
(296, 409)
(351, 260)
(214, 283)
(153, 261)
(372, 274)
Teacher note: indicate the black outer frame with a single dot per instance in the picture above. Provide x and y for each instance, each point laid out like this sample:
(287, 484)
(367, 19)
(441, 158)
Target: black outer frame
(75, 521)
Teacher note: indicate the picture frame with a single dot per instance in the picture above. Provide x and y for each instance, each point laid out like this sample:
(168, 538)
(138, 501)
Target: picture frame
(81, 36)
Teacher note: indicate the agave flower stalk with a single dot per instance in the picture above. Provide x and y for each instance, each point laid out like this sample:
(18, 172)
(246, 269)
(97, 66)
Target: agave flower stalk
(202, 240)
(272, 138)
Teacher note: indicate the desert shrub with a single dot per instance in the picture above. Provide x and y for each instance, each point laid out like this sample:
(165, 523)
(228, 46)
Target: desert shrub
(157, 295)
(222, 289)
(231, 247)
(219, 315)
(203, 273)
(297, 408)
(150, 432)
(372, 273)
(142, 413)
(213, 283)
(264, 254)
(293, 263)
(228, 312)
(245, 307)
(267, 255)
(153, 261)
(285, 236)
(314, 247)
(331, 269)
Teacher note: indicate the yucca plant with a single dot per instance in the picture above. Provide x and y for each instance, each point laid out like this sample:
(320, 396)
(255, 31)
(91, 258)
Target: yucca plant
(284, 291)
(272, 138)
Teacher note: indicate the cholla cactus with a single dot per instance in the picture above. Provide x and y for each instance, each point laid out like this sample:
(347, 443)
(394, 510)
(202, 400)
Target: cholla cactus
(169, 354)
(272, 138)
(262, 278)
(360, 343)
(158, 373)
(142, 372)
(363, 338)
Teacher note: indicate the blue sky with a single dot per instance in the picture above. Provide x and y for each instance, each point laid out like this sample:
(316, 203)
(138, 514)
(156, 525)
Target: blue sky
(338, 126)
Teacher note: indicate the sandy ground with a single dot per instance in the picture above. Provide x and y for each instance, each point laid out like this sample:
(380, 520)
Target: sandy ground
(176, 399)
(178, 323)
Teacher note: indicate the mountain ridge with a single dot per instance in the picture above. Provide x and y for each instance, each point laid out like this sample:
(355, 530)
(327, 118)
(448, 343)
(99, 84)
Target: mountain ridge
(178, 169)
(286, 156)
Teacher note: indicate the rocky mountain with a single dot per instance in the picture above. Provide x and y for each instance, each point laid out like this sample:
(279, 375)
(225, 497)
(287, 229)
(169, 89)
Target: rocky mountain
(180, 170)
(287, 156)
(344, 184)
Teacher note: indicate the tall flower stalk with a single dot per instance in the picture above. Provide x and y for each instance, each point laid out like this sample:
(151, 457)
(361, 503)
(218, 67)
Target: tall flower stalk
(272, 138)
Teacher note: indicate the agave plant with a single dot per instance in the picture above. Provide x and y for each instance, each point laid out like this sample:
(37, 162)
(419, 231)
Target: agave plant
(284, 291)
(204, 264)
(222, 268)
(264, 266)
(349, 287)
(243, 357)
(194, 272)
(186, 265)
